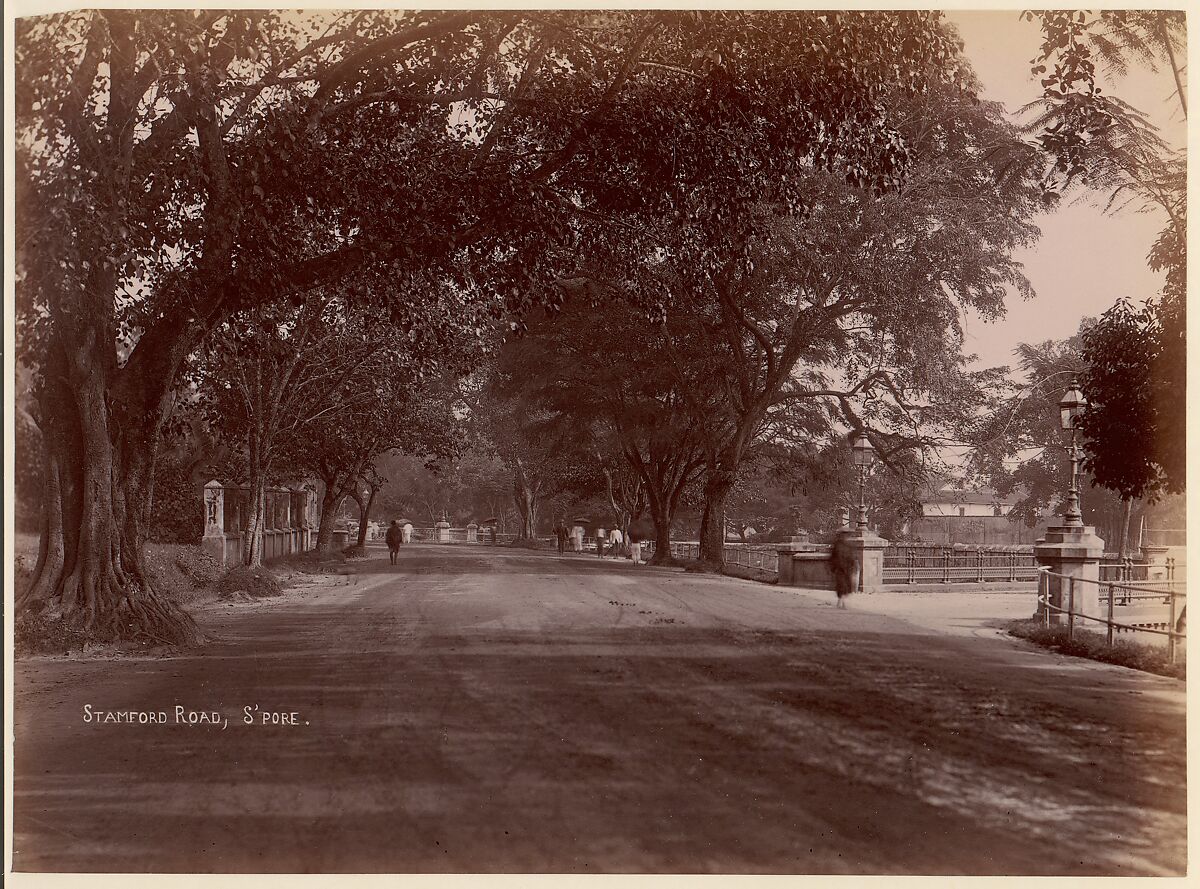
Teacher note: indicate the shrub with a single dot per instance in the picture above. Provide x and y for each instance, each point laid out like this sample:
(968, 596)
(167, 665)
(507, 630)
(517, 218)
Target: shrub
(162, 567)
(198, 566)
(258, 583)
(177, 512)
(42, 633)
(1094, 646)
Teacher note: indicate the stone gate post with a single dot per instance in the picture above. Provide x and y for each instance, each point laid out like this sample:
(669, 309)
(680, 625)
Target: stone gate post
(1072, 553)
(213, 541)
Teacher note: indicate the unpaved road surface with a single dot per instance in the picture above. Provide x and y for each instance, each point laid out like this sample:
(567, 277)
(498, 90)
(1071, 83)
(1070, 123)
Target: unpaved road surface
(489, 710)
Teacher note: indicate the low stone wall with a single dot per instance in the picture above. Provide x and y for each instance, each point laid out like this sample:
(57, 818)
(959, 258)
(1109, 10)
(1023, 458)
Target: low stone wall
(225, 531)
(229, 547)
(805, 569)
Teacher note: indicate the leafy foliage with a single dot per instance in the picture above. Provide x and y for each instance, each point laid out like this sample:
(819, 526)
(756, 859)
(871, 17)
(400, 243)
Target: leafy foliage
(1136, 423)
(1127, 397)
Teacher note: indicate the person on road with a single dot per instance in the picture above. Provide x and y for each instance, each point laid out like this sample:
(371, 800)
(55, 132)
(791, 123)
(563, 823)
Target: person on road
(601, 533)
(395, 536)
(615, 541)
(560, 532)
(635, 549)
(843, 567)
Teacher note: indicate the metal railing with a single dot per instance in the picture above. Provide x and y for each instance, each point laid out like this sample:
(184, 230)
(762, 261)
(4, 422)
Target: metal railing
(911, 564)
(1115, 595)
(754, 557)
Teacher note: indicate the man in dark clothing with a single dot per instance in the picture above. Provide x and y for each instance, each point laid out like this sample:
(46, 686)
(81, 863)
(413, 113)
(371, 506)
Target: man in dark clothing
(395, 537)
(843, 566)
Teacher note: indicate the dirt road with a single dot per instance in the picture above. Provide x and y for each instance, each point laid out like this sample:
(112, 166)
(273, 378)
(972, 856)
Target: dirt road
(477, 709)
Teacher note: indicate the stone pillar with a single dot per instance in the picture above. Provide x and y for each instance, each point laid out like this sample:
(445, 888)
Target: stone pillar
(472, 533)
(868, 550)
(309, 518)
(213, 541)
(844, 516)
(1072, 552)
(1155, 558)
(341, 539)
(443, 532)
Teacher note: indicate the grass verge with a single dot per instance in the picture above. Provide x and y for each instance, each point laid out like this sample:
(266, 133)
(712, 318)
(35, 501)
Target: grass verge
(1094, 646)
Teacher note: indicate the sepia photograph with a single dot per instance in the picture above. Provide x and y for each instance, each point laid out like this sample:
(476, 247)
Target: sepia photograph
(673, 441)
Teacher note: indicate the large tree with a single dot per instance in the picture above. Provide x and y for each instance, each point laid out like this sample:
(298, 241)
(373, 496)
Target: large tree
(340, 448)
(265, 375)
(849, 314)
(600, 376)
(176, 167)
(1136, 358)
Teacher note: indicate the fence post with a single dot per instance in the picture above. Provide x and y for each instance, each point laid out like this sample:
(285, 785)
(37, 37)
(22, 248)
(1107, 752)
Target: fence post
(912, 565)
(946, 566)
(980, 554)
(1012, 567)
(1111, 595)
(1171, 629)
(1071, 607)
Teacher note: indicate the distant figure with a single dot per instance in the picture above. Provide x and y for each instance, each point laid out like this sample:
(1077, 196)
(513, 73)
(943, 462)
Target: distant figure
(842, 566)
(635, 549)
(560, 532)
(600, 535)
(395, 537)
(616, 539)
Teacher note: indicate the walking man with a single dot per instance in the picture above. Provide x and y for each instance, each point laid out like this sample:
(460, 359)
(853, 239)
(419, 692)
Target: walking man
(615, 541)
(843, 566)
(395, 536)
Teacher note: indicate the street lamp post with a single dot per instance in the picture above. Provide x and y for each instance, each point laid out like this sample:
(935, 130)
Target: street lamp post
(864, 456)
(1070, 407)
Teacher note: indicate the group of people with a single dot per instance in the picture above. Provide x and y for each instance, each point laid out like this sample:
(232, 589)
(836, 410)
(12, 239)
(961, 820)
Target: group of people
(843, 564)
(608, 543)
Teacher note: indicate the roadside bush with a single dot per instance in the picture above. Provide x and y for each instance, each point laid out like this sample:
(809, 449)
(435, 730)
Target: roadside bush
(258, 583)
(42, 633)
(1094, 646)
(176, 513)
(167, 575)
(198, 566)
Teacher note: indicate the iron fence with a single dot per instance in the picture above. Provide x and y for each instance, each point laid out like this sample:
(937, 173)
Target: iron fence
(940, 564)
(1116, 595)
(754, 557)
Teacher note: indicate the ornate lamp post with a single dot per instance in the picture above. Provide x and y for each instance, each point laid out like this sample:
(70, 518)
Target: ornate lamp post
(1069, 408)
(864, 456)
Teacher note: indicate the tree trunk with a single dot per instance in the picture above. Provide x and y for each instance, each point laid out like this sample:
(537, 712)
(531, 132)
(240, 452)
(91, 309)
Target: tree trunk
(527, 507)
(717, 486)
(331, 504)
(525, 498)
(99, 468)
(252, 558)
(364, 515)
(662, 543)
(1126, 513)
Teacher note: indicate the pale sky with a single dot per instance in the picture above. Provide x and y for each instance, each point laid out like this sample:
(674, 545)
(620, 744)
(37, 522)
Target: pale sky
(1085, 260)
